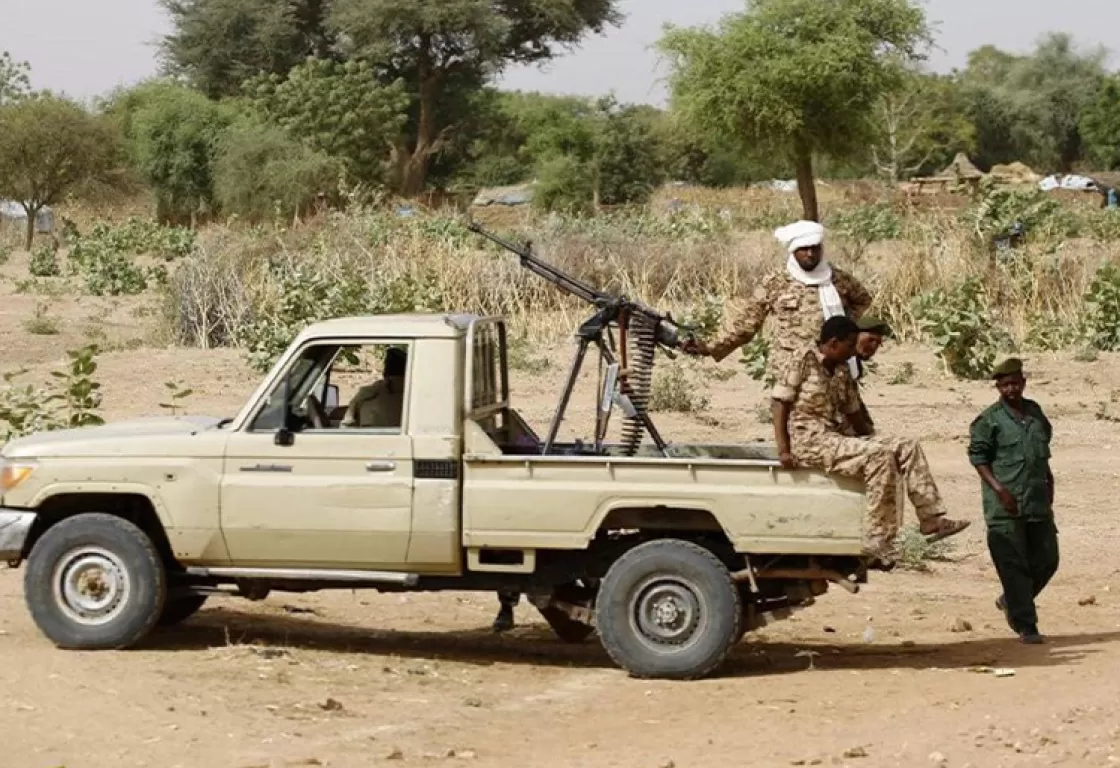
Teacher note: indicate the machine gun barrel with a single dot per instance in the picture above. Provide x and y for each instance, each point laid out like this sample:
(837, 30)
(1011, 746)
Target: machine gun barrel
(667, 332)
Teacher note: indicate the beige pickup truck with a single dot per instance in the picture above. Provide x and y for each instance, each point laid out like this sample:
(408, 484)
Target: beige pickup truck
(444, 487)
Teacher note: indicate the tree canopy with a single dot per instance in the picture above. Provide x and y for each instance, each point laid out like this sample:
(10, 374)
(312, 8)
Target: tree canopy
(15, 78)
(795, 77)
(49, 145)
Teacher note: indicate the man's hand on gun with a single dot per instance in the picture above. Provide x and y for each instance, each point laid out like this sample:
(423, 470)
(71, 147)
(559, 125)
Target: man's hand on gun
(693, 346)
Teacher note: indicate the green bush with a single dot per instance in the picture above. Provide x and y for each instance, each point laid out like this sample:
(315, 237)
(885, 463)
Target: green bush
(70, 401)
(673, 392)
(44, 261)
(867, 224)
(998, 208)
(261, 173)
(309, 293)
(755, 356)
(1101, 319)
(960, 324)
(566, 185)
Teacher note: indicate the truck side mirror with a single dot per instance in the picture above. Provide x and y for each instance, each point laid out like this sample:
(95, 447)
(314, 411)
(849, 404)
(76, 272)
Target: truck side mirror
(330, 398)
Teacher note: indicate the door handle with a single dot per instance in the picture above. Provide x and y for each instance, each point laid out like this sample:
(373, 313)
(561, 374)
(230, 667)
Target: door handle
(267, 468)
(381, 466)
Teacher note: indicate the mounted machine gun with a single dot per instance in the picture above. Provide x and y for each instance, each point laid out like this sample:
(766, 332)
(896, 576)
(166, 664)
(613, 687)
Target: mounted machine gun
(625, 378)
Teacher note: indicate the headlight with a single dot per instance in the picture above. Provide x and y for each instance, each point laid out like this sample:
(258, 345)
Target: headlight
(12, 473)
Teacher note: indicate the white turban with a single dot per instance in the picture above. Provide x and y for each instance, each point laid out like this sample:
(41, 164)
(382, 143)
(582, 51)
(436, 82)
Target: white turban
(800, 234)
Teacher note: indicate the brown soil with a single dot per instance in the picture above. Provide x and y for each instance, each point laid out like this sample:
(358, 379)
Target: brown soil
(360, 679)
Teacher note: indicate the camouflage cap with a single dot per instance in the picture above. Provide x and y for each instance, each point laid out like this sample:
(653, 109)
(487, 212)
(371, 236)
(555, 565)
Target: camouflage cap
(1008, 367)
(874, 324)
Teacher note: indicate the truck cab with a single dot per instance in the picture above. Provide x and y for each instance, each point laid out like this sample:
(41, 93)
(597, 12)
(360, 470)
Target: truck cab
(336, 475)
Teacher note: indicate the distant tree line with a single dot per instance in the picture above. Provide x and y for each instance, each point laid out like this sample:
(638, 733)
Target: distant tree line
(268, 108)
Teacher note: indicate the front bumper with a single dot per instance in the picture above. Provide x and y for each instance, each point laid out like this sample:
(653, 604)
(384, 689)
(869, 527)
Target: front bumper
(15, 526)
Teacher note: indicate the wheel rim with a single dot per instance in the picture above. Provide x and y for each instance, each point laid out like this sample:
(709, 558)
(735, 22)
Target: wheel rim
(91, 585)
(667, 612)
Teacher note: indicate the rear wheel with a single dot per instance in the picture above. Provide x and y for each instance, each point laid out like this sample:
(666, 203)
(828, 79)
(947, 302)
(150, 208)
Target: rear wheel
(668, 609)
(95, 582)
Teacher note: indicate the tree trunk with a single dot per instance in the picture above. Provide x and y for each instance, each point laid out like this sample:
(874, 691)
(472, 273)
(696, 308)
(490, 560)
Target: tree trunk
(415, 171)
(32, 213)
(806, 187)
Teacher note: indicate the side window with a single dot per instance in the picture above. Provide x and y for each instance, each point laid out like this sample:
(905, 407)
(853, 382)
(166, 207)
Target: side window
(336, 387)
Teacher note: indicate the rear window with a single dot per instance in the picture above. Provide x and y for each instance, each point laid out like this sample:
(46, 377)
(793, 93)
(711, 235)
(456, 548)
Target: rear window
(489, 388)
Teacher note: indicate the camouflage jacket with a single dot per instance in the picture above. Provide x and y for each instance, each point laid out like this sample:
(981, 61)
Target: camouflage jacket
(819, 399)
(797, 314)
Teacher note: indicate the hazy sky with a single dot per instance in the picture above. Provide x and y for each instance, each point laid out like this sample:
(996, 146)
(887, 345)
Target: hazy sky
(86, 47)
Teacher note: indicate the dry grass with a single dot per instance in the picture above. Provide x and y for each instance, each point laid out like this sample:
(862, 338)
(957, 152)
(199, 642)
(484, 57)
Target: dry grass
(688, 246)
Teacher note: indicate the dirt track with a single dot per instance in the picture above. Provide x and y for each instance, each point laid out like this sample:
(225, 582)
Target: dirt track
(363, 679)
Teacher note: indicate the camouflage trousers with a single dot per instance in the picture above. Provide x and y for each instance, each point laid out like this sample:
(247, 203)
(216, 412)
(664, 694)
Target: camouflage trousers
(882, 463)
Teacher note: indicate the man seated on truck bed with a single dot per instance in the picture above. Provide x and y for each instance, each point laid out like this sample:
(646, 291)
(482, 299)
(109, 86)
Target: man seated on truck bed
(813, 399)
(380, 404)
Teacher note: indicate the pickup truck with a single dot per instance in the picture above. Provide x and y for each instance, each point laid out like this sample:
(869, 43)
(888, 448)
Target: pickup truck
(669, 559)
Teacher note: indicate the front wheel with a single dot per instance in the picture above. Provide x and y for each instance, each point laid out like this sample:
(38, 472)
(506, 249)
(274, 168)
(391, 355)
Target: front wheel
(95, 582)
(668, 609)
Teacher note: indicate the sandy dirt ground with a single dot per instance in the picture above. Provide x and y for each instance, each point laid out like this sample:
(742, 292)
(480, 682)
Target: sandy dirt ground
(361, 679)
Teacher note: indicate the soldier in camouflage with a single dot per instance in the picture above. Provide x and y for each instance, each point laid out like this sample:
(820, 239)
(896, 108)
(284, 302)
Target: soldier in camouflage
(813, 399)
(872, 331)
(798, 297)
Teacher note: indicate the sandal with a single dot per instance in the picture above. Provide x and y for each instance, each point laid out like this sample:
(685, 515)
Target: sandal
(945, 529)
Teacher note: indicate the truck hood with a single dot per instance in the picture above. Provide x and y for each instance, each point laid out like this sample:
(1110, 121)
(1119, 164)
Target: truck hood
(125, 437)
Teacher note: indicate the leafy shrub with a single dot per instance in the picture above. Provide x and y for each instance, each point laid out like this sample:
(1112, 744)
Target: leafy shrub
(755, 356)
(72, 400)
(41, 324)
(262, 173)
(309, 293)
(564, 184)
(1104, 225)
(704, 317)
(1101, 318)
(110, 274)
(1049, 333)
(915, 552)
(44, 261)
(672, 391)
(999, 209)
(868, 224)
(960, 324)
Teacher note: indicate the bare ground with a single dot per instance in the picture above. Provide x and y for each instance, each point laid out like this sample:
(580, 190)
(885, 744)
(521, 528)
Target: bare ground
(360, 679)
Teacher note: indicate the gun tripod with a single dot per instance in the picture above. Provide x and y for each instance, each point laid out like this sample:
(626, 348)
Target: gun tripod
(618, 385)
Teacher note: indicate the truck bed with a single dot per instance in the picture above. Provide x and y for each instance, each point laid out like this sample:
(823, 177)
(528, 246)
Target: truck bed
(515, 497)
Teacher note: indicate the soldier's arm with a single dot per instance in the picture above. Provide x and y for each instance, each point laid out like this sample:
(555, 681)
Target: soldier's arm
(981, 453)
(744, 327)
(856, 411)
(857, 298)
(783, 396)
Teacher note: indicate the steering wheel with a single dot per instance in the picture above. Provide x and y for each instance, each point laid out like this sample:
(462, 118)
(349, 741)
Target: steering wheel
(316, 413)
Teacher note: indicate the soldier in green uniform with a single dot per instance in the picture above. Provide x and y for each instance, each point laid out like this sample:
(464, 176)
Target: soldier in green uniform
(1009, 444)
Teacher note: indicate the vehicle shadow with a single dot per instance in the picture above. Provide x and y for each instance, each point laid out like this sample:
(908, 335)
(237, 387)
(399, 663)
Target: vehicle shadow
(534, 644)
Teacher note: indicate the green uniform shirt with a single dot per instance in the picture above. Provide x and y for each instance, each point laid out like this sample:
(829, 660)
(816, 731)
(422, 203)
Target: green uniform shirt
(1019, 454)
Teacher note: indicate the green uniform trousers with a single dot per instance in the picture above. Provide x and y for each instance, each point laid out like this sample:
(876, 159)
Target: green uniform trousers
(1025, 554)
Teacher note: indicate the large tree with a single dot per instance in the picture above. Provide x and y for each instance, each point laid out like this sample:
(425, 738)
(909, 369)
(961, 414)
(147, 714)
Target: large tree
(919, 126)
(441, 49)
(339, 109)
(219, 44)
(1100, 126)
(1029, 107)
(48, 146)
(172, 133)
(795, 77)
(15, 78)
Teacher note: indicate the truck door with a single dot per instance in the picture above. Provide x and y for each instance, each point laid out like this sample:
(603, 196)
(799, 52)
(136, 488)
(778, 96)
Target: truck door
(336, 491)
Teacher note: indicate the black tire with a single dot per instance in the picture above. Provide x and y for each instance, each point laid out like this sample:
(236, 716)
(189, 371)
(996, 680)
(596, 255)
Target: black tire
(55, 590)
(683, 575)
(180, 609)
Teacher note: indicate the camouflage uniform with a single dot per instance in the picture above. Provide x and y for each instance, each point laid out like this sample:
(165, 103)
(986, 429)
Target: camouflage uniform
(821, 403)
(797, 313)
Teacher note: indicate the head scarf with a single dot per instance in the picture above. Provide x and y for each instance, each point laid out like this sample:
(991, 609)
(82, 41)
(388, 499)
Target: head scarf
(805, 234)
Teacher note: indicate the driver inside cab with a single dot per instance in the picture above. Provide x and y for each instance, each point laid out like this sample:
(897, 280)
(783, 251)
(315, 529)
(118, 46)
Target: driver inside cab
(379, 404)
